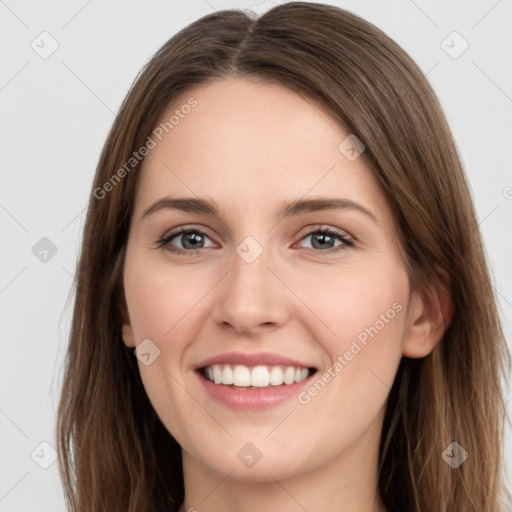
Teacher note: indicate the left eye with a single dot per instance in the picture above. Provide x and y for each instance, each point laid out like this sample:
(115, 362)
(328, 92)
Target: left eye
(323, 238)
(191, 240)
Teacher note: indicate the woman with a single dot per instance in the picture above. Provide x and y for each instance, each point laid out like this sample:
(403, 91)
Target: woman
(282, 299)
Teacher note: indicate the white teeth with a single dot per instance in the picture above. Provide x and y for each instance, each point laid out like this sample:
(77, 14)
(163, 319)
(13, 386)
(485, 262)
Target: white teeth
(289, 375)
(276, 376)
(241, 375)
(217, 374)
(260, 377)
(257, 376)
(227, 375)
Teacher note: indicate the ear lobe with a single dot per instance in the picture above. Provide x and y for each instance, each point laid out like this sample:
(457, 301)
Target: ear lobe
(127, 331)
(431, 313)
(128, 337)
(446, 306)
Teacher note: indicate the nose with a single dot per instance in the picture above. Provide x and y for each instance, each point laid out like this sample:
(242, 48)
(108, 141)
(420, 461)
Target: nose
(252, 298)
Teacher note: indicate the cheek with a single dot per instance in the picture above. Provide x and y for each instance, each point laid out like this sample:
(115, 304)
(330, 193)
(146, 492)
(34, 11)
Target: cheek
(366, 310)
(355, 303)
(360, 321)
(161, 300)
(163, 306)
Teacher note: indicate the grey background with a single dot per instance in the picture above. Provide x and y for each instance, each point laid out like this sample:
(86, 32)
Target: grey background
(55, 113)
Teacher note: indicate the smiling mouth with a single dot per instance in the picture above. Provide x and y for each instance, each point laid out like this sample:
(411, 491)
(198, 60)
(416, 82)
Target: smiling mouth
(255, 377)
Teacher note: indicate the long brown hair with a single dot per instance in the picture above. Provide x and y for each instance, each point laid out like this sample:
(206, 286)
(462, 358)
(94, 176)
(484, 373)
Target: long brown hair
(114, 453)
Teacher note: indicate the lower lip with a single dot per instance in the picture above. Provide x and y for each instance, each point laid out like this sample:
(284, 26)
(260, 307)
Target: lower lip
(252, 399)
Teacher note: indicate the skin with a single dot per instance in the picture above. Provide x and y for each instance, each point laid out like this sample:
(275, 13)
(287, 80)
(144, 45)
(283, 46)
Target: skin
(249, 146)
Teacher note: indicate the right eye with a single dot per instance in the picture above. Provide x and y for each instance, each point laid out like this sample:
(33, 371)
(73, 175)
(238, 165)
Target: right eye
(192, 240)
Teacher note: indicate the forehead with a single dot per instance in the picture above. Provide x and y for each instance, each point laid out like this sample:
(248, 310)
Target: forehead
(252, 143)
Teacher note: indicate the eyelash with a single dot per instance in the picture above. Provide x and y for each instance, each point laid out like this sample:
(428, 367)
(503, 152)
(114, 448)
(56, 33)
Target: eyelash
(164, 242)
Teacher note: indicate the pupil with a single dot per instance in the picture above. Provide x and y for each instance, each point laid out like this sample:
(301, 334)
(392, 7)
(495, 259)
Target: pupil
(321, 237)
(187, 239)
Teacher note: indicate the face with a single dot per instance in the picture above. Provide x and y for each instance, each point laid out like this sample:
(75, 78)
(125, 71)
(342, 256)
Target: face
(268, 275)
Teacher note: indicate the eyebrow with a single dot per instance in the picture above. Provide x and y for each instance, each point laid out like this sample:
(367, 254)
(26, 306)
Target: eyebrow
(288, 208)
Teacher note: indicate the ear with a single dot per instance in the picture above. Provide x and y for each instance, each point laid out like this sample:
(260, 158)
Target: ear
(128, 336)
(430, 314)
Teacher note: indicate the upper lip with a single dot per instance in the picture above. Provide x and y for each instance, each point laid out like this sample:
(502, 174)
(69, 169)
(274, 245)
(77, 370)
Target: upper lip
(260, 358)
